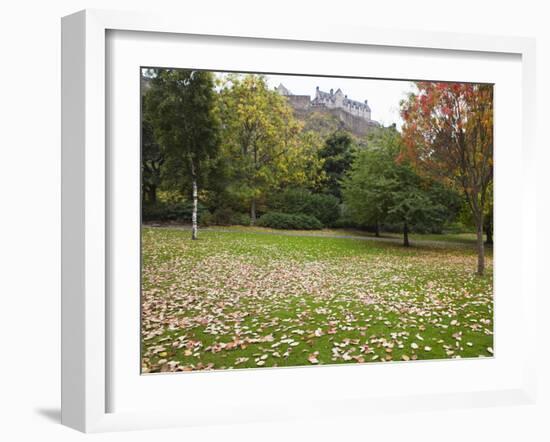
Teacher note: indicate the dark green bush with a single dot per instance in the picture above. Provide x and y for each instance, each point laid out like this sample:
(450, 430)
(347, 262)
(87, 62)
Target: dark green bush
(300, 221)
(206, 219)
(346, 221)
(181, 212)
(326, 208)
(240, 219)
(295, 201)
(222, 216)
(156, 212)
(225, 216)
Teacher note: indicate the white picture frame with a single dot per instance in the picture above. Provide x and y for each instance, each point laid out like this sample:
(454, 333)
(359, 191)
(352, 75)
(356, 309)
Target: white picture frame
(85, 200)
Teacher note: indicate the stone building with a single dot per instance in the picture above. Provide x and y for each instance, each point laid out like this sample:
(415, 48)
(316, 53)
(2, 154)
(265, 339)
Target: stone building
(301, 102)
(354, 116)
(337, 100)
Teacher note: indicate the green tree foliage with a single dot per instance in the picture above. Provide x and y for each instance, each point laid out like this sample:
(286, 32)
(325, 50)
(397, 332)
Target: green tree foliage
(263, 144)
(410, 202)
(466, 216)
(152, 158)
(326, 208)
(337, 155)
(368, 187)
(180, 104)
(381, 189)
(446, 197)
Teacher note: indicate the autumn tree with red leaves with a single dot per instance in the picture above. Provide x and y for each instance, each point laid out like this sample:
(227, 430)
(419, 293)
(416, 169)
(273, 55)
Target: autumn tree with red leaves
(448, 133)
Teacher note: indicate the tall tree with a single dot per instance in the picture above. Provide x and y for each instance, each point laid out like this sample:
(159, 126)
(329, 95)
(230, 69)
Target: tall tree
(448, 132)
(368, 185)
(381, 189)
(152, 154)
(152, 158)
(337, 154)
(262, 140)
(180, 105)
(411, 203)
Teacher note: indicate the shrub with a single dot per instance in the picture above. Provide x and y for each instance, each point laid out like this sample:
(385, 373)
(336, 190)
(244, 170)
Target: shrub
(346, 221)
(206, 219)
(154, 212)
(300, 221)
(326, 208)
(225, 216)
(222, 216)
(172, 212)
(301, 201)
(240, 219)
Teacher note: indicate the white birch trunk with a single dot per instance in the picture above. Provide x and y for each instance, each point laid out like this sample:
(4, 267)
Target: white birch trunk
(195, 207)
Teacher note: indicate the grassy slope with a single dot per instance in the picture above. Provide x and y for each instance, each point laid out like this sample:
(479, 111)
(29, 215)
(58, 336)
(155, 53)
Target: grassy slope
(238, 299)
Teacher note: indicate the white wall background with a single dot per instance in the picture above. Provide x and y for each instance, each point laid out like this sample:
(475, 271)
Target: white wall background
(30, 214)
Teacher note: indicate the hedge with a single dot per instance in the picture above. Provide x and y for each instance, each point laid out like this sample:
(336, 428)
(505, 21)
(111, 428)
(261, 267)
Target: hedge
(298, 221)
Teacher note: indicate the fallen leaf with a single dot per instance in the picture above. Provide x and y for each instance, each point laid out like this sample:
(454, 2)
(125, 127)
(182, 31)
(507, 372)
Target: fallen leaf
(313, 358)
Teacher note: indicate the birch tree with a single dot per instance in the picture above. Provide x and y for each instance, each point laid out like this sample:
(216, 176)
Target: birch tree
(180, 104)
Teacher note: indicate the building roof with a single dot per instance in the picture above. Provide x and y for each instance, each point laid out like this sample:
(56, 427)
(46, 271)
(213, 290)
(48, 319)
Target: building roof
(347, 101)
(357, 103)
(283, 90)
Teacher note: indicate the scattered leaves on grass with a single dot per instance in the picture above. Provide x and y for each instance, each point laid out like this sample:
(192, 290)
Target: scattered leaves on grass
(236, 300)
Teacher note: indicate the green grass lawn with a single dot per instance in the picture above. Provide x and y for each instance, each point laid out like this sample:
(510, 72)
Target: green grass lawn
(238, 299)
(468, 239)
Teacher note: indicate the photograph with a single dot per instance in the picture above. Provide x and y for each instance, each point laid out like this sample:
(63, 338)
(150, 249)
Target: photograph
(307, 220)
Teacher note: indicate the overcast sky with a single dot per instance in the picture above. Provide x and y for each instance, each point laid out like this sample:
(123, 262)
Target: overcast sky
(383, 95)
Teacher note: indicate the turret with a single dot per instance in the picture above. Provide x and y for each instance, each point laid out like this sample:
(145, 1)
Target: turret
(283, 90)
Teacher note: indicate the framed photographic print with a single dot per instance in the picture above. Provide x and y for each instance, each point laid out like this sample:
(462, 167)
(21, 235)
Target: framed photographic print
(249, 215)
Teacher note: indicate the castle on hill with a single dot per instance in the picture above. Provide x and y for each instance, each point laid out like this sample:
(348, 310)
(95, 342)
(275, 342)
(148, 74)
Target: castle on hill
(354, 116)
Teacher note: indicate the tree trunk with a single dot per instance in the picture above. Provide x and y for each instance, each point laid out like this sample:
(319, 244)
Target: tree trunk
(480, 246)
(253, 212)
(406, 234)
(152, 194)
(377, 229)
(489, 234)
(194, 230)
